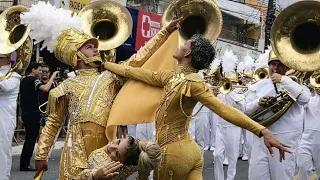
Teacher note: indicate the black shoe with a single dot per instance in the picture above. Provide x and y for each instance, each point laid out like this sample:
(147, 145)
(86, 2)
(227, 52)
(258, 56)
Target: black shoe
(29, 168)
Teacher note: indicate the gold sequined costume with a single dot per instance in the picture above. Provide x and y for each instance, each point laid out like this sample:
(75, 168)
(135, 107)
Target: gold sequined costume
(181, 157)
(99, 158)
(86, 101)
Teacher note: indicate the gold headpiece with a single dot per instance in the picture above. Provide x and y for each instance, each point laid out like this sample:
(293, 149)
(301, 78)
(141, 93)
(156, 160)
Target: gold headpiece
(272, 56)
(68, 44)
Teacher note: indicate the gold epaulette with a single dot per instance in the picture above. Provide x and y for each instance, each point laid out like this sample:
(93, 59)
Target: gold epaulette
(194, 77)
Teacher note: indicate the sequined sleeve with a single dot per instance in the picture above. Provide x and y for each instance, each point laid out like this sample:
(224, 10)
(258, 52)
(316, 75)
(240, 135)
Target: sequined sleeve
(57, 110)
(159, 79)
(201, 92)
(145, 52)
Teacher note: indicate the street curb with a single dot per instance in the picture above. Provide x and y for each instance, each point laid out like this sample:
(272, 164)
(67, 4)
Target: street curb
(16, 150)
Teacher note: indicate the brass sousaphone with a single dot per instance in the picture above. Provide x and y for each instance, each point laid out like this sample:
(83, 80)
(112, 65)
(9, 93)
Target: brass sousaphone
(199, 17)
(295, 36)
(14, 36)
(108, 21)
(295, 40)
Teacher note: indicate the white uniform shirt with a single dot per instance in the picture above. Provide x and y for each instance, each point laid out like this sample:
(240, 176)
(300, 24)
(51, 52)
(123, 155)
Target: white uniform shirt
(292, 120)
(233, 99)
(9, 89)
(312, 114)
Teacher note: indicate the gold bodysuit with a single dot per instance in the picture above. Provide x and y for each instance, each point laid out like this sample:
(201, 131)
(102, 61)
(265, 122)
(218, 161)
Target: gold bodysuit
(85, 101)
(99, 158)
(181, 157)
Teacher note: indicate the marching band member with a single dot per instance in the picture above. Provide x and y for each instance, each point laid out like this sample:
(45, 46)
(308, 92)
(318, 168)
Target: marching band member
(200, 122)
(288, 128)
(245, 70)
(309, 147)
(228, 135)
(183, 88)
(9, 89)
(87, 97)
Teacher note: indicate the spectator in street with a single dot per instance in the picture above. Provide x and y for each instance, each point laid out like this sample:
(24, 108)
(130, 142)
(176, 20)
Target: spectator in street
(9, 89)
(43, 95)
(29, 103)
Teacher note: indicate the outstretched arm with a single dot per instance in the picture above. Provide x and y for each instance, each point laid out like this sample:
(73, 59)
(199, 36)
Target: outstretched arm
(57, 114)
(145, 75)
(203, 94)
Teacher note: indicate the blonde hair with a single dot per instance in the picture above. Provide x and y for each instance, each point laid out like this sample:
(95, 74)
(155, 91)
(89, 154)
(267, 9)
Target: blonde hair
(146, 155)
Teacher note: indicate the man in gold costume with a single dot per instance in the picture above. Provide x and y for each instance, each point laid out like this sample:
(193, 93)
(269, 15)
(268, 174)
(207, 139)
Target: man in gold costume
(183, 88)
(85, 99)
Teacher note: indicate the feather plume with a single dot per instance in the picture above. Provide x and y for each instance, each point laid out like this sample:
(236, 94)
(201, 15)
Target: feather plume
(216, 63)
(246, 65)
(47, 22)
(229, 60)
(262, 61)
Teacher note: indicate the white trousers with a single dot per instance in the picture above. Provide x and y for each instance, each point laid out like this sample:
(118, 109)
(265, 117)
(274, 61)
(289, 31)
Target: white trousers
(198, 127)
(309, 154)
(7, 127)
(265, 167)
(145, 132)
(210, 130)
(227, 144)
(246, 142)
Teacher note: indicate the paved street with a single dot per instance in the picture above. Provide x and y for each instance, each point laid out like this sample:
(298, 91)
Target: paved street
(52, 173)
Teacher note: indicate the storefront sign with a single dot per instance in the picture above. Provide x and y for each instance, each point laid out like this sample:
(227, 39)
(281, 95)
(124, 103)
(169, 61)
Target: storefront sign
(148, 26)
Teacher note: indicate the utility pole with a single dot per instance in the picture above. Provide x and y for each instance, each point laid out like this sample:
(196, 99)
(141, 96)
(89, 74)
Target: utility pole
(269, 21)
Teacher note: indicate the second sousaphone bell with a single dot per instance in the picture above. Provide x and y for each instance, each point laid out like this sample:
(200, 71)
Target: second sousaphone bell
(295, 36)
(199, 17)
(108, 21)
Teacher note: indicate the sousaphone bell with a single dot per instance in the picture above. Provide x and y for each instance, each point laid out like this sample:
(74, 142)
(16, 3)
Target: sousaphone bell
(15, 40)
(199, 17)
(108, 21)
(295, 36)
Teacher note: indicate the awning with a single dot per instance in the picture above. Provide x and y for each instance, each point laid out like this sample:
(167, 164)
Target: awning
(239, 10)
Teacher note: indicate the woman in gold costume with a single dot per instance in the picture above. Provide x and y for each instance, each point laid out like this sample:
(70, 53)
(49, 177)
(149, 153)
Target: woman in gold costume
(135, 155)
(183, 88)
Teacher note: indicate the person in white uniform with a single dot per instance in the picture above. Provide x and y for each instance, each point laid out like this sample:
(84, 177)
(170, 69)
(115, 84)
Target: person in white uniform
(199, 123)
(9, 89)
(309, 147)
(228, 135)
(245, 70)
(288, 128)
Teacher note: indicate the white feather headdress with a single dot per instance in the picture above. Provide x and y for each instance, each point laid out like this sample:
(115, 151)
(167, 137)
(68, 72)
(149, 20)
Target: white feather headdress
(229, 60)
(246, 65)
(47, 22)
(262, 61)
(216, 63)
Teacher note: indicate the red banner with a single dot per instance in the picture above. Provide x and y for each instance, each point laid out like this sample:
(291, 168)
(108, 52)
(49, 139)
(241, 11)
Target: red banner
(148, 26)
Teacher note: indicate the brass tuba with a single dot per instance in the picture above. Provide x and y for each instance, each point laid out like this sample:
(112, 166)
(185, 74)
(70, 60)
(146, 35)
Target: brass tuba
(199, 17)
(15, 40)
(295, 36)
(108, 21)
